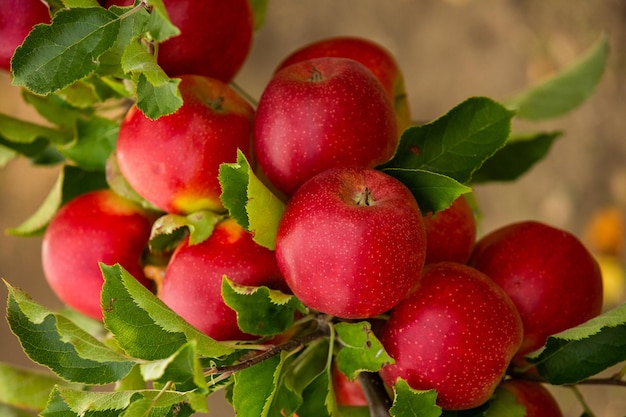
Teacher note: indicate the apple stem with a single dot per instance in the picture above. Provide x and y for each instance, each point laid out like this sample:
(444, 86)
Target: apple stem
(375, 393)
(581, 400)
(243, 93)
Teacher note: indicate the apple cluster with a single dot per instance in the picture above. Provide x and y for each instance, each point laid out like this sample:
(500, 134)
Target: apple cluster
(457, 314)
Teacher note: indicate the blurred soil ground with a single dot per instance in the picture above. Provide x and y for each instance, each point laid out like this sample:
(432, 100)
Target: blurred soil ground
(449, 51)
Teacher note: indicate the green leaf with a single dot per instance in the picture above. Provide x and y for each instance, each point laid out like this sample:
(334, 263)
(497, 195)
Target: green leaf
(433, 192)
(69, 402)
(360, 349)
(567, 89)
(15, 131)
(183, 368)
(137, 59)
(6, 155)
(55, 110)
(73, 42)
(94, 140)
(413, 403)
(585, 350)
(250, 202)
(26, 388)
(261, 311)
(259, 8)
(143, 326)
(255, 386)
(54, 341)
(457, 143)
(519, 154)
(169, 229)
(319, 398)
(307, 366)
(504, 404)
(71, 182)
(156, 100)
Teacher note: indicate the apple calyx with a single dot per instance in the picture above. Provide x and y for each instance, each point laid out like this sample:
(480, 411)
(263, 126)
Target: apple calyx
(364, 198)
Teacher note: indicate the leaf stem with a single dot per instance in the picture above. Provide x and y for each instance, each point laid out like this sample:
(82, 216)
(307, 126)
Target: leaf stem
(322, 330)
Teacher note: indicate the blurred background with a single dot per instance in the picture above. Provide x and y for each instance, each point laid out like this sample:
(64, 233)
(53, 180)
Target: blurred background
(449, 50)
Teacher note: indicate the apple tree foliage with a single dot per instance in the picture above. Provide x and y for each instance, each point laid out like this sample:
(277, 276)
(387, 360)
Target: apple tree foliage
(144, 360)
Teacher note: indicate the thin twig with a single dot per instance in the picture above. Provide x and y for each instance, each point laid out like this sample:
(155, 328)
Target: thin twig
(322, 330)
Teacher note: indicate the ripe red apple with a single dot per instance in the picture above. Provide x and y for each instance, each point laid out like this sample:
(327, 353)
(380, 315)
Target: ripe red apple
(548, 273)
(535, 398)
(99, 226)
(215, 37)
(193, 278)
(347, 392)
(456, 333)
(351, 242)
(451, 233)
(369, 53)
(17, 18)
(319, 114)
(173, 162)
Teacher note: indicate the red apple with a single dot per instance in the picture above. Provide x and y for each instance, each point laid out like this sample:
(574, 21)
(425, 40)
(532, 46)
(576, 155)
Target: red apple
(369, 53)
(347, 392)
(215, 37)
(98, 226)
(173, 162)
(351, 242)
(17, 18)
(548, 273)
(193, 278)
(320, 114)
(535, 398)
(451, 233)
(456, 333)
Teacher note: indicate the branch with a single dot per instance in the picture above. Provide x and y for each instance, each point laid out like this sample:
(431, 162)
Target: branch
(375, 393)
(322, 330)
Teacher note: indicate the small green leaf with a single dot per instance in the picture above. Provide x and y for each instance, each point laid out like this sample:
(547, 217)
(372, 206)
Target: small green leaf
(585, 350)
(261, 311)
(94, 140)
(160, 26)
(145, 327)
(137, 59)
(169, 229)
(156, 100)
(259, 8)
(412, 403)
(565, 90)
(71, 182)
(433, 192)
(183, 368)
(26, 388)
(73, 42)
(54, 341)
(360, 349)
(504, 404)
(250, 202)
(457, 143)
(519, 154)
